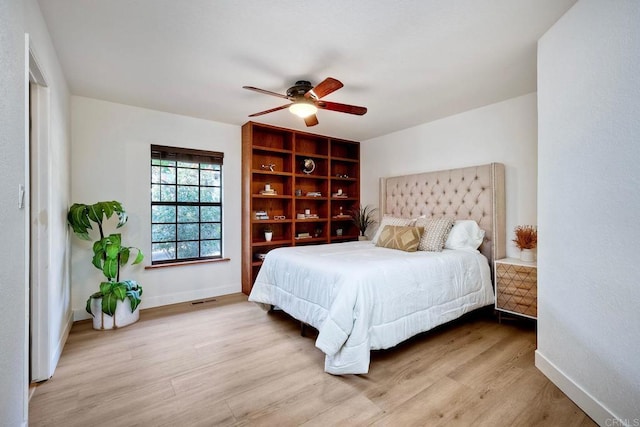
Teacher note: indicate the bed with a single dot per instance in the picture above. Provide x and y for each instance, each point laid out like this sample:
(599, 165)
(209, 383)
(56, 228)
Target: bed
(362, 297)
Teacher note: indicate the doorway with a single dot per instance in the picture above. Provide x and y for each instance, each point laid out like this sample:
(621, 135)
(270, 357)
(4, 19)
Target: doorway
(38, 108)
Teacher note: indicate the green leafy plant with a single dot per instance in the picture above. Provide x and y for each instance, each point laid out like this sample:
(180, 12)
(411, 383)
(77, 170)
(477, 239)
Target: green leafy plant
(363, 217)
(108, 253)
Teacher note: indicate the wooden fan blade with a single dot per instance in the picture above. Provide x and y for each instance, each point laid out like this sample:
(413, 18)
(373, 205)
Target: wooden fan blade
(266, 92)
(323, 89)
(312, 120)
(282, 107)
(343, 108)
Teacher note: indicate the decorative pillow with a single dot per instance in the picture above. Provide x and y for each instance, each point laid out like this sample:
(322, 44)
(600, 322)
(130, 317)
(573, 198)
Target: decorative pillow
(466, 235)
(391, 220)
(404, 238)
(435, 233)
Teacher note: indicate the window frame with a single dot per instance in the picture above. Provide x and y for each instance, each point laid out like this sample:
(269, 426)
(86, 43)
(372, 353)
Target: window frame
(177, 155)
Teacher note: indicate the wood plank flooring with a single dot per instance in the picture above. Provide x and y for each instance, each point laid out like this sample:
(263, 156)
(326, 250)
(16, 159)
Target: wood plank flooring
(230, 363)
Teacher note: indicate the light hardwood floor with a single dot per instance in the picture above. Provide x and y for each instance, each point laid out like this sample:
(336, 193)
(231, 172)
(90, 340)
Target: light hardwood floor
(228, 362)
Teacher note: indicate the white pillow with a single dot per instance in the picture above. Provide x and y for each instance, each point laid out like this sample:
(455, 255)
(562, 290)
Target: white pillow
(391, 220)
(465, 234)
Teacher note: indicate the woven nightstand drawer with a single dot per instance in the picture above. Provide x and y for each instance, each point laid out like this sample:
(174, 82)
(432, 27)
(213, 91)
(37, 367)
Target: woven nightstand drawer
(517, 288)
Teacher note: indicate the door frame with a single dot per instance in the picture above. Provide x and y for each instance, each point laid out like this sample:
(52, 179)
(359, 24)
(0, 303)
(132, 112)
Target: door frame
(39, 231)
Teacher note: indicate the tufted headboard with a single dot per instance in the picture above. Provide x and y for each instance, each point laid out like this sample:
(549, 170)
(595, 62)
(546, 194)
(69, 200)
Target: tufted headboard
(475, 192)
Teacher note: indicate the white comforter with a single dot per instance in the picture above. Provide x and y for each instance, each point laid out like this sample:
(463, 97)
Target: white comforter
(361, 297)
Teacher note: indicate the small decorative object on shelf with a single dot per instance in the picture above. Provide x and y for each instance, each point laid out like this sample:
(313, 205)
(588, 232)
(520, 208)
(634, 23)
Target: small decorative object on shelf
(526, 240)
(339, 232)
(363, 218)
(270, 166)
(308, 166)
(268, 191)
(342, 215)
(268, 234)
(339, 194)
(261, 215)
(307, 215)
(298, 192)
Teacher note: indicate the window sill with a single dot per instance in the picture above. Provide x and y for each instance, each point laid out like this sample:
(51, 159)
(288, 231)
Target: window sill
(178, 264)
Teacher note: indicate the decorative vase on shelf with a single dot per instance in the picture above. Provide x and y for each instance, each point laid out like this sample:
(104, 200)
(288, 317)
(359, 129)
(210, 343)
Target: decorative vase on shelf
(268, 235)
(526, 255)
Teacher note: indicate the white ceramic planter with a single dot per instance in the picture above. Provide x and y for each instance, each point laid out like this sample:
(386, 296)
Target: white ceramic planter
(268, 235)
(527, 255)
(122, 317)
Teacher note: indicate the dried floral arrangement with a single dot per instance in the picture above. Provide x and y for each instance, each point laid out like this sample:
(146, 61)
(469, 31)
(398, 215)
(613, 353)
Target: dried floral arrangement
(526, 237)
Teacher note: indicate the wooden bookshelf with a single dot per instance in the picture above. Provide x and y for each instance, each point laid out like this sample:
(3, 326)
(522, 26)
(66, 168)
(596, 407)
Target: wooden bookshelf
(300, 208)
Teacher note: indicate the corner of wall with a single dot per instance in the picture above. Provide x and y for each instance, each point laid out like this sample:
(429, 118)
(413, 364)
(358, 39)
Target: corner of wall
(589, 404)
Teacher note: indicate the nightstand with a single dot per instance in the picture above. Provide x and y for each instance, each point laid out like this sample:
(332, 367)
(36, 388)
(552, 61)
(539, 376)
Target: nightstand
(516, 284)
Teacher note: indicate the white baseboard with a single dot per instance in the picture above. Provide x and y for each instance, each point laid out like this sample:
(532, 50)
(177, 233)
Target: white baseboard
(589, 404)
(175, 298)
(57, 351)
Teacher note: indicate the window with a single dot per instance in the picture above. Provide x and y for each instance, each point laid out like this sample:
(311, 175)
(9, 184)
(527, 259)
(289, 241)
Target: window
(186, 204)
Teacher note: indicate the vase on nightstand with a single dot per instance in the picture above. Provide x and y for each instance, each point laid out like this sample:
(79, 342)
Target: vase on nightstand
(526, 255)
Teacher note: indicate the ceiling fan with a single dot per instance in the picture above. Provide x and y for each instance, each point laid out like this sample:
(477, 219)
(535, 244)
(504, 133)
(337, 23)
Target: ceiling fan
(305, 100)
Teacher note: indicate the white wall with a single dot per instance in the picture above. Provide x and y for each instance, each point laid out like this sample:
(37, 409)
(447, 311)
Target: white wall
(589, 198)
(111, 161)
(13, 333)
(52, 218)
(505, 132)
(16, 18)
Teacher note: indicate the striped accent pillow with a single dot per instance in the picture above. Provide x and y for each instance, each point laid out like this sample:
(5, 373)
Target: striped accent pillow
(403, 238)
(391, 220)
(435, 233)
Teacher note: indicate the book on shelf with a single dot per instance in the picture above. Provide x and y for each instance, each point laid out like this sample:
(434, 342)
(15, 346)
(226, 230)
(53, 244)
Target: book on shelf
(339, 195)
(261, 215)
(314, 194)
(271, 192)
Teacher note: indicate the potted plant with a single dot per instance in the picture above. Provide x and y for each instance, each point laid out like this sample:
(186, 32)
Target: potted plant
(108, 256)
(268, 233)
(363, 218)
(526, 240)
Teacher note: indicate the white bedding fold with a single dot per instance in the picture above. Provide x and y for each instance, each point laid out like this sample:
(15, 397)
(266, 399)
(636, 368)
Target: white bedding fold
(361, 297)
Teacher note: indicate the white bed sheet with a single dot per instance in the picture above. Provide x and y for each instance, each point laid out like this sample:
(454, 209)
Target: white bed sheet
(361, 297)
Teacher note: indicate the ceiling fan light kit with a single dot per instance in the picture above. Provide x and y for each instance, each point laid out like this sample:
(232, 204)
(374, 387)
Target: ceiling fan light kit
(303, 109)
(306, 100)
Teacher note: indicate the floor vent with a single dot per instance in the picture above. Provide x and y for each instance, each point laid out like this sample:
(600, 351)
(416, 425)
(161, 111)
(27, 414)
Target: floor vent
(204, 301)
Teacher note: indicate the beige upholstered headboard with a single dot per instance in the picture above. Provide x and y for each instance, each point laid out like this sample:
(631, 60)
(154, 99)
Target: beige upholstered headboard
(475, 192)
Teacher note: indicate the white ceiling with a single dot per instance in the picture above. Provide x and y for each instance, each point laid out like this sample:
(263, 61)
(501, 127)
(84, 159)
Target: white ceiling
(409, 62)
